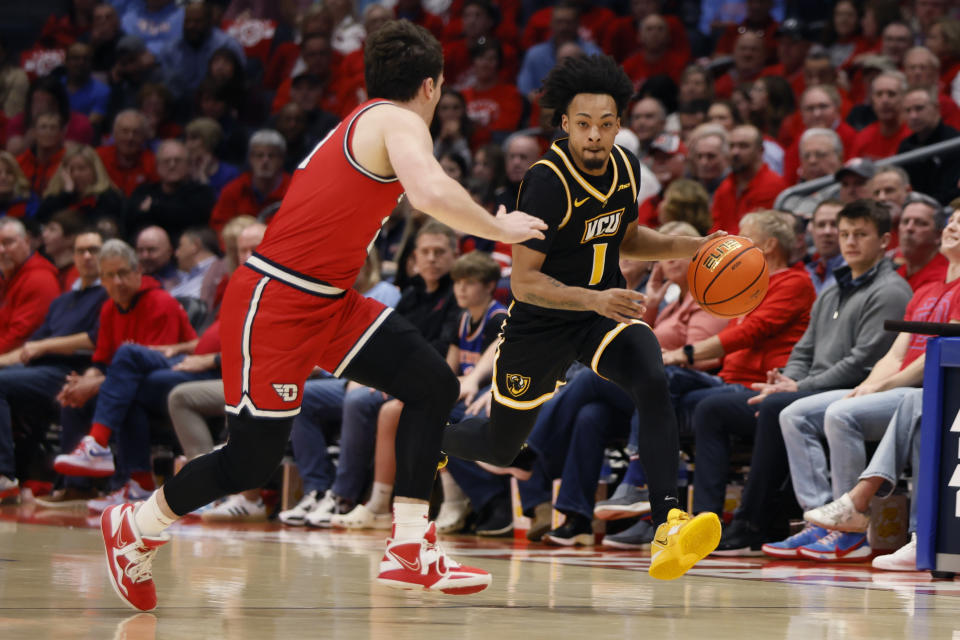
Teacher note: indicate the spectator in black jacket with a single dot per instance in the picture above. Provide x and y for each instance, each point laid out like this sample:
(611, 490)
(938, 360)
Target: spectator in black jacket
(173, 203)
(937, 175)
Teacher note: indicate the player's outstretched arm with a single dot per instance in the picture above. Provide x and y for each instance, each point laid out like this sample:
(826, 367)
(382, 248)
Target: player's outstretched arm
(643, 243)
(534, 287)
(432, 191)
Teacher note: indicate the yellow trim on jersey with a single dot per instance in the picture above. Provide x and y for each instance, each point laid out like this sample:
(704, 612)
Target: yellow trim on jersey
(583, 182)
(566, 188)
(607, 339)
(626, 162)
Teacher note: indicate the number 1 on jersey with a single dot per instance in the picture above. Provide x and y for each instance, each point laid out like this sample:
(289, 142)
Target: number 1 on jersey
(599, 260)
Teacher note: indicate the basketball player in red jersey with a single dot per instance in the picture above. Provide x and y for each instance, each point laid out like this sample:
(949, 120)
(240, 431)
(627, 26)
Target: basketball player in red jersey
(290, 307)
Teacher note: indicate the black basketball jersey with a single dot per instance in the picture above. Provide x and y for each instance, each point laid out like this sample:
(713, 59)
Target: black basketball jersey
(587, 217)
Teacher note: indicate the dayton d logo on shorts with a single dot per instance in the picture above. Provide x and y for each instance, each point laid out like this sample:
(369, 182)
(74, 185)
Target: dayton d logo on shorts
(517, 384)
(287, 392)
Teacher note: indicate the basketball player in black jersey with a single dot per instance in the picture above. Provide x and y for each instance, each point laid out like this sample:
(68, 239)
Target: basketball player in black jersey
(571, 304)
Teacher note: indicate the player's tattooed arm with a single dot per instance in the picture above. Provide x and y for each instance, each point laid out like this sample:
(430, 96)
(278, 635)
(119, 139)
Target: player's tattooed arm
(552, 303)
(532, 286)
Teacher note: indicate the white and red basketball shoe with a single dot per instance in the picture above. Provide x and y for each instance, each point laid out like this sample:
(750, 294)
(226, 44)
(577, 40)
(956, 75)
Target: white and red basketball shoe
(129, 557)
(423, 565)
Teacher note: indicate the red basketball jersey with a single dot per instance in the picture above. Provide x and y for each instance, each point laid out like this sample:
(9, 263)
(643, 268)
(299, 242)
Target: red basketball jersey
(331, 213)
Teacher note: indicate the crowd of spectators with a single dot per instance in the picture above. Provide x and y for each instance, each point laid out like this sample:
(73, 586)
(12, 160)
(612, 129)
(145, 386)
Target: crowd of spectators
(147, 143)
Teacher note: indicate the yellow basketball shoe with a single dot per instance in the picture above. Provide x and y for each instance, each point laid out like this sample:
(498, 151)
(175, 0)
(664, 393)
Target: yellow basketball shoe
(681, 542)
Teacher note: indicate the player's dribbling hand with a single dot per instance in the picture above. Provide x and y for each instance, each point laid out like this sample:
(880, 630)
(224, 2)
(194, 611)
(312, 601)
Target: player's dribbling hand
(519, 226)
(622, 305)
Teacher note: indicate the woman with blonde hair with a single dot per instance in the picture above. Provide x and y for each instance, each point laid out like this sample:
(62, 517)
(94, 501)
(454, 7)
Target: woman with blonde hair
(81, 183)
(686, 201)
(215, 280)
(16, 200)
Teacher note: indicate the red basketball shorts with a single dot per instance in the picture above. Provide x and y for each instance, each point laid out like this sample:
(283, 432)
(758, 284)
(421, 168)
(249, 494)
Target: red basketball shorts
(276, 328)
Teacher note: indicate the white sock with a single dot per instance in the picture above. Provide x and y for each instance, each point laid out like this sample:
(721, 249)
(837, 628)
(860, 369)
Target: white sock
(451, 490)
(149, 518)
(380, 497)
(409, 520)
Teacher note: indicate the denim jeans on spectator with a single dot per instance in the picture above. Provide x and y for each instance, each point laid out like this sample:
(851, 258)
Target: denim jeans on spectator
(358, 438)
(24, 385)
(571, 439)
(139, 379)
(845, 424)
(322, 403)
(900, 442)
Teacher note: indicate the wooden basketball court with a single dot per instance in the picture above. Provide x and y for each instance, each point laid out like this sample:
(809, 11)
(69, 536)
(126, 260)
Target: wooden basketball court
(268, 581)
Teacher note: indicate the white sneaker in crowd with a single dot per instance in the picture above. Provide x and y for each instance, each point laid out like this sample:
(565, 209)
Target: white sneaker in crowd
(236, 508)
(903, 559)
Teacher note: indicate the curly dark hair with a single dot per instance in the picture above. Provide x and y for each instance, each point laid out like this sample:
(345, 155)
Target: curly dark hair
(398, 58)
(585, 74)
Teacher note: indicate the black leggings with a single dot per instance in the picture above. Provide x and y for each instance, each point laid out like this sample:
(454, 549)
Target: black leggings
(396, 360)
(631, 360)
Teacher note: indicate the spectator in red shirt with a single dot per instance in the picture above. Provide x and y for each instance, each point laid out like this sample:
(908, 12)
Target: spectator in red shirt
(593, 20)
(819, 107)
(480, 19)
(337, 95)
(622, 34)
(922, 69)
(920, 227)
(254, 190)
(854, 178)
(793, 44)
(758, 22)
(29, 285)
(882, 138)
(751, 184)
(128, 162)
(656, 56)
(818, 70)
(139, 311)
(41, 160)
(748, 63)
(492, 105)
(44, 96)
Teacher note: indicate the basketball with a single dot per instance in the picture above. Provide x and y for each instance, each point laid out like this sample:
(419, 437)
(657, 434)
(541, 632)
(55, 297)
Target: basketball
(728, 276)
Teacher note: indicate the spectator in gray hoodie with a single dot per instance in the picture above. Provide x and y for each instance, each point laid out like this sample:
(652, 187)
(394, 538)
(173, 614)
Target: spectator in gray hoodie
(844, 339)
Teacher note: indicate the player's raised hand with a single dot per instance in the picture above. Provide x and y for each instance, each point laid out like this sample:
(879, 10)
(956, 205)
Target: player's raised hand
(519, 226)
(622, 305)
